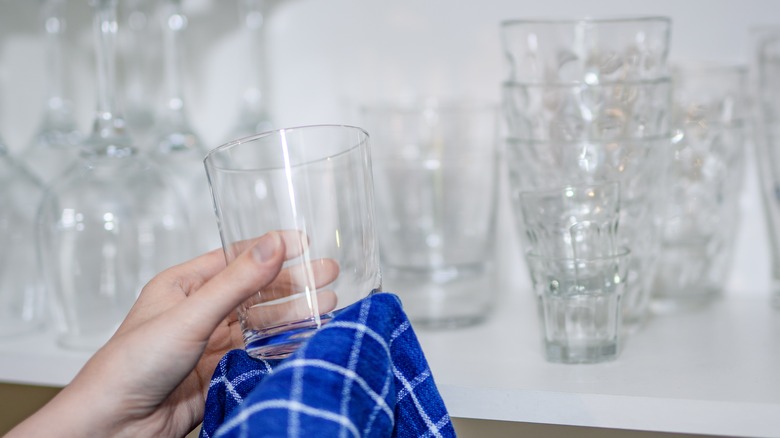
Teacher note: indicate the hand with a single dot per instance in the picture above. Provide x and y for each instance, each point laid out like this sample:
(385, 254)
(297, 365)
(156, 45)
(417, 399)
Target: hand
(152, 376)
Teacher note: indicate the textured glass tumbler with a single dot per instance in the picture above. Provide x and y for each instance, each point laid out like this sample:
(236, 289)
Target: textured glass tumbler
(588, 50)
(579, 222)
(436, 185)
(581, 111)
(701, 210)
(314, 185)
(579, 302)
(639, 165)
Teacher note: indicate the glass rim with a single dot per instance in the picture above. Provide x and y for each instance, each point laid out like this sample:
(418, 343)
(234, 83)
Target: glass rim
(666, 137)
(621, 252)
(504, 24)
(560, 189)
(208, 160)
(708, 66)
(664, 79)
(423, 103)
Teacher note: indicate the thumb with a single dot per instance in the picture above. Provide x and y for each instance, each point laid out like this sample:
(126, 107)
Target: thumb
(251, 271)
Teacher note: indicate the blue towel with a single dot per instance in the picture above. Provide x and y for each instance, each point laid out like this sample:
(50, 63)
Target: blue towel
(362, 374)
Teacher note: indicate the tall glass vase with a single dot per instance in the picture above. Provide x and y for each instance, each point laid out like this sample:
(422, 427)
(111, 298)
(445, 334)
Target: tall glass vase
(111, 221)
(54, 145)
(177, 148)
(22, 300)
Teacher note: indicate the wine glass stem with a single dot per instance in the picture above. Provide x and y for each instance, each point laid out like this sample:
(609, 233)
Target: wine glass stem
(107, 124)
(253, 14)
(54, 26)
(174, 23)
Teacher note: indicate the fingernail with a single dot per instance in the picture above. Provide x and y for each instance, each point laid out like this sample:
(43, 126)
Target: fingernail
(266, 247)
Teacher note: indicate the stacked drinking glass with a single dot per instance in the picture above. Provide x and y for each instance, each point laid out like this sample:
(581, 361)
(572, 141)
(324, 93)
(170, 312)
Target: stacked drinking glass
(588, 103)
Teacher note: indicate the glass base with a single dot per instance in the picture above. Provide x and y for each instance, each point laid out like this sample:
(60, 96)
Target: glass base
(581, 353)
(281, 341)
(444, 298)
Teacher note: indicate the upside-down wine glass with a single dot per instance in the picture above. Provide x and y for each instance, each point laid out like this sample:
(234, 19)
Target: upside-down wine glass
(177, 148)
(55, 144)
(111, 221)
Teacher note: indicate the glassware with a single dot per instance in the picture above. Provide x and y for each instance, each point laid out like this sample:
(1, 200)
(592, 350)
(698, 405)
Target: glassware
(589, 100)
(436, 177)
(111, 221)
(701, 209)
(55, 144)
(579, 305)
(22, 292)
(177, 149)
(140, 55)
(253, 116)
(586, 50)
(313, 185)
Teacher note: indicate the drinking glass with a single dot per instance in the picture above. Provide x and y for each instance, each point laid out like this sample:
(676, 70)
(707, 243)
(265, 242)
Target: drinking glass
(572, 222)
(436, 173)
(177, 148)
(110, 222)
(604, 111)
(705, 180)
(55, 144)
(22, 293)
(589, 100)
(579, 305)
(314, 185)
(586, 50)
(639, 165)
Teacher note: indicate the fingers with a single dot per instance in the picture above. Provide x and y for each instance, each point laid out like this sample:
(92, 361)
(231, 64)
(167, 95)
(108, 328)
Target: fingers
(301, 306)
(296, 243)
(255, 276)
(295, 294)
(251, 271)
(297, 278)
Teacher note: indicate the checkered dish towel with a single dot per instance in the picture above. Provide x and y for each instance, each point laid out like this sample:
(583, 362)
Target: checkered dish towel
(362, 374)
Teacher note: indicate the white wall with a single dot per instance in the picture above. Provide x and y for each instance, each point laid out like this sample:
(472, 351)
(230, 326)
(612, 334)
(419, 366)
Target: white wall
(325, 56)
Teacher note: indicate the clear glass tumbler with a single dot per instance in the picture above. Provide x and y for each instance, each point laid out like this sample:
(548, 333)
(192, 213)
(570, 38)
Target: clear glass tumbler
(436, 172)
(314, 182)
(579, 304)
(701, 209)
(586, 50)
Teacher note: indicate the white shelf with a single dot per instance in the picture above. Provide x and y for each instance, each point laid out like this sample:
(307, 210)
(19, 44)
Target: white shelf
(715, 372)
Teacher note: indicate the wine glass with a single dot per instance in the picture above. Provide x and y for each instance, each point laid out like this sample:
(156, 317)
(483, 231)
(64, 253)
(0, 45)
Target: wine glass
(253, 116)
(111, 221)
(177, 148)
(22, 293)
(54, 145)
